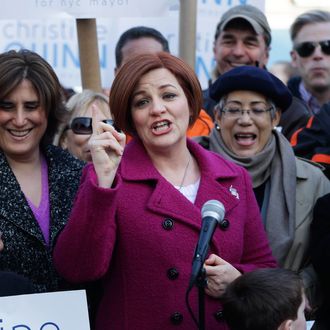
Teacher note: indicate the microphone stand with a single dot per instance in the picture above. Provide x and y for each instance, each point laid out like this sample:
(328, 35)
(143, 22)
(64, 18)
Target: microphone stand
(201, 284)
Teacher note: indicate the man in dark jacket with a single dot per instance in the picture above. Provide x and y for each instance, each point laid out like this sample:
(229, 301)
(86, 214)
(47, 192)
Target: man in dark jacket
(313, 140)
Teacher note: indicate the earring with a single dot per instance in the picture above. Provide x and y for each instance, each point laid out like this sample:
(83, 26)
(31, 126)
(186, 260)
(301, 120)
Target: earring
(217, 127)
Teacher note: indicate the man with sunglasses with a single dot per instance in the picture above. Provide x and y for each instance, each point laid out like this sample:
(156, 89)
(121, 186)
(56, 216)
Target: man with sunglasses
(310, 35)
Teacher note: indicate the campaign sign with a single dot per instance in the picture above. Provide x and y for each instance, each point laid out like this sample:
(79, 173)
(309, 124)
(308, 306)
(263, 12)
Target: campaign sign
(85, 8)
(65, 310)
(55, 37)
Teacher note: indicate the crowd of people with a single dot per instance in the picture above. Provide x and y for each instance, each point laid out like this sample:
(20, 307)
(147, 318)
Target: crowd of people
(107, 192)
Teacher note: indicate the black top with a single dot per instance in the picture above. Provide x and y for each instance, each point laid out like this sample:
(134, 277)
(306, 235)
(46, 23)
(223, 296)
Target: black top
(320, 253)
(14, 284)
(259, 193)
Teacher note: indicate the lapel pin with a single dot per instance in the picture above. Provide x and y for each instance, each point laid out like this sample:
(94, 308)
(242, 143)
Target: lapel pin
(234, 192)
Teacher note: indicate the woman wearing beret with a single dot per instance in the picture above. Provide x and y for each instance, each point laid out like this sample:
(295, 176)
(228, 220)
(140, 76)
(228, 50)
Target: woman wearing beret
(137, 216)
(250, 102)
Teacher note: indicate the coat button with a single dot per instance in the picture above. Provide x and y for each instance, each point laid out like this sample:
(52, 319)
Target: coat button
(168, 224)
(224, 224)
(219, 316)
(172, 274)
(176, 318)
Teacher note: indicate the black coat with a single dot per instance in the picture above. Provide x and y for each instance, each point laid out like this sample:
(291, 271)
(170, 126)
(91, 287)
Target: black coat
(313, 141)
(294, 118)
(13, 284)
(208, 103)
(25, 251)
(320, 253)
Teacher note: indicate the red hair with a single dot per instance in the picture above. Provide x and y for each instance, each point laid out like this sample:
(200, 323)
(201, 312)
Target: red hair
(130, 74)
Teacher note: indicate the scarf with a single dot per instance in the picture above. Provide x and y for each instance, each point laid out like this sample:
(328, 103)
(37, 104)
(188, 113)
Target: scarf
(276, 166)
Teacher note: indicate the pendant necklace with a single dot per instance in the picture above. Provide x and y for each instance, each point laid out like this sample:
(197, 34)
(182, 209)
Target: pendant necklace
(184, 174)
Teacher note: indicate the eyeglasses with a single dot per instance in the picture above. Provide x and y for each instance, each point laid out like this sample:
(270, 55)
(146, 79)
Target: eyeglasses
(83, 125)
(307, 48)
(235, 113)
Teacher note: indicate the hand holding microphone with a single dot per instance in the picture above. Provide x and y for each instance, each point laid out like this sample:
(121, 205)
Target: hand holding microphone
(218, 271)
(219, 274)
(213, 213)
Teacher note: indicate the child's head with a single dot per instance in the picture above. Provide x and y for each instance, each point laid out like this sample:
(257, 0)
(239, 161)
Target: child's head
(265, 299)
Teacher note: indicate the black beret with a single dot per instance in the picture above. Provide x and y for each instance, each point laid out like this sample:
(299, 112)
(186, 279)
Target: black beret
(251, 78)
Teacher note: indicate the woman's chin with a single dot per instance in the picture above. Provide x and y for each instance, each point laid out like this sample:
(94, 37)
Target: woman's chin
(86, 156)
(245, 152)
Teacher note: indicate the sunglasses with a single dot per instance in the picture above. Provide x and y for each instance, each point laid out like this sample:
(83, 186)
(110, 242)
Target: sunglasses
(83, 125)
(307, 48)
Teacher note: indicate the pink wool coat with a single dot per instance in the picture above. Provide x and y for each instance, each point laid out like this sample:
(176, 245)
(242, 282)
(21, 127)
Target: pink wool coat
(140, 236)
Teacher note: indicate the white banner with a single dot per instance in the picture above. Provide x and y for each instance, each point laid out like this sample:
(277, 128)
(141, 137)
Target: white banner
(65, 310)
(85, 8)
(55, 39)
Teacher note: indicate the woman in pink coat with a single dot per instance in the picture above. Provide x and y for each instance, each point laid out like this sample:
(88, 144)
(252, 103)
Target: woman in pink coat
(137, 215)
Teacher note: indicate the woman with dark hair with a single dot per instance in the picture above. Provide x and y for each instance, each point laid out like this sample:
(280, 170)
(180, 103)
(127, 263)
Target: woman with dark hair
(38, 180)
(137, 215)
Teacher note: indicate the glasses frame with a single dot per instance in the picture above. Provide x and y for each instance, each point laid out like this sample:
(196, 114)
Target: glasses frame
(248, 111)
(87, 123)
(307, 48)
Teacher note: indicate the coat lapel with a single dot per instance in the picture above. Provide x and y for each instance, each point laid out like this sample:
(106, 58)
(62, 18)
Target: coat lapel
(64, 174)
(166, 199)
(62, 188)
(13, 204)
(57, 218)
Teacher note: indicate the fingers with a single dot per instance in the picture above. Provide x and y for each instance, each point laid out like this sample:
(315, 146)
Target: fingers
(215, 291)
(106, 141)
(119, 136)
(215, 260)
(219, 274)
(105, 136)
(95, 120)
(1, 242)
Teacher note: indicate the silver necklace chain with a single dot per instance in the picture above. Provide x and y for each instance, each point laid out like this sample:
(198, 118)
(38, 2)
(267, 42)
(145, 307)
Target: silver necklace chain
(185, 174)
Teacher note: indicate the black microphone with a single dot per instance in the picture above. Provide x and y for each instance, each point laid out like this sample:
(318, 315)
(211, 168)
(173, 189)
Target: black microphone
(213, 213)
